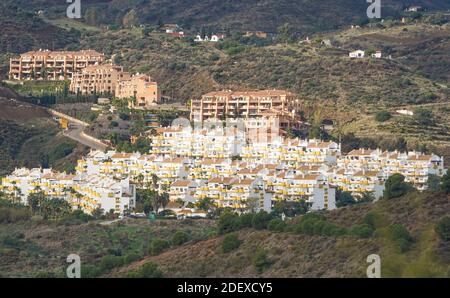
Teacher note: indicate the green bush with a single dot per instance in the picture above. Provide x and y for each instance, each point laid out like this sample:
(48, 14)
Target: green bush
(276, 225)
(362, 231)
(260, 260)
(89, 271)
(314, 224)
(228, 222)
(110, 262)
(344, 198)
(157, 246)
(150, 270)
(445, 182)
(372, 219)
(383, 116)
(443, 228)
(131, 258)
(400, 236)
(180, 237)
(230, 243)
(260, 220)
(245, 220)
(396, 187)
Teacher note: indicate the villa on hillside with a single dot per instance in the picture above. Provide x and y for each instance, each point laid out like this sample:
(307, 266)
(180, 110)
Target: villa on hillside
(357, 54)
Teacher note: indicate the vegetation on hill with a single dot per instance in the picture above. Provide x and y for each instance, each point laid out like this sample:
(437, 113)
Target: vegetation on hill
(409, 233)
(33, 144)
(269, 15)
(23, 30)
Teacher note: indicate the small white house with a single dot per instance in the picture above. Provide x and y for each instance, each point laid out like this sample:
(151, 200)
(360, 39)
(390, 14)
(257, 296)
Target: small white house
(414, 8)
(377, 55)
(405, 112)
(357, 54)
(214, 38)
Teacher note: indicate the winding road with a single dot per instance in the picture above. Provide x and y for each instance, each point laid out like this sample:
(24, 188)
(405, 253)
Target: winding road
(75, 132)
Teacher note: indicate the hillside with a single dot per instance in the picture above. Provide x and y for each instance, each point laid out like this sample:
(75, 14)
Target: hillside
(22, 30)
(306, 16)
(291, 255)
(28, 137)
(36, 247)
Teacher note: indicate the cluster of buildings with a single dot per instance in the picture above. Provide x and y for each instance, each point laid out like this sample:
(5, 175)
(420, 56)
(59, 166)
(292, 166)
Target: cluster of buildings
(359, 54)
(220, 163)
(250, 105)
(85, 192)
(88, 73)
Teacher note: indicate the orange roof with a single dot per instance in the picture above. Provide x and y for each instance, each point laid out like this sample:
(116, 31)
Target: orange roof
(161, 130)
(122, 155)
(366, 174)
(69, 54)
(307, 177)
(319, 145)
(360, 152)
(210, 161)
(420, 157)
(225, 180)
(174, 160)
(258, 93)
(244, 182)
(181, 183)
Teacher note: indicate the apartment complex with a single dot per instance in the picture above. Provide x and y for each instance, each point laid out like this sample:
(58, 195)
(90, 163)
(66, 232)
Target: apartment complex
(51, 65)
(98, 79)
(141, 89)
(85, 192)
(221, 164)
(242, 104)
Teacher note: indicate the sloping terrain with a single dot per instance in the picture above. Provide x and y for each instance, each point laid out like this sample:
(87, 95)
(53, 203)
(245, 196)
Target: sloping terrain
(268, 15)
(39, 248)
(291, 255)
(22, 30)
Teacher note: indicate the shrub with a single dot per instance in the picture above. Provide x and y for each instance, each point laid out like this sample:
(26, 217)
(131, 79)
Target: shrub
(445, 182)
(424, 116)
(228, 222)
(260, 220)
(362, 231)
(370, 219)
(260, 260)
(109, 262)
(314, 224)
(157, 246)
(400, 236)
(124, 117)
(131, 257)
(276, 225)
(230, 243)
(396, 186)
(150, 270)
(443, 228)
(383, 116)
(344, 198)
(89, 271)
(180, 237)
(245, 220)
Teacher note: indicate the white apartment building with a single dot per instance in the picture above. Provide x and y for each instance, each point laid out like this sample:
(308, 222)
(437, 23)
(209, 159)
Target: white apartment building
(85, 192)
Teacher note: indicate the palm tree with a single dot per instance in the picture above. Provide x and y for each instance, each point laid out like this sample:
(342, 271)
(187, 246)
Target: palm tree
(155, 180)
(164, 199)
